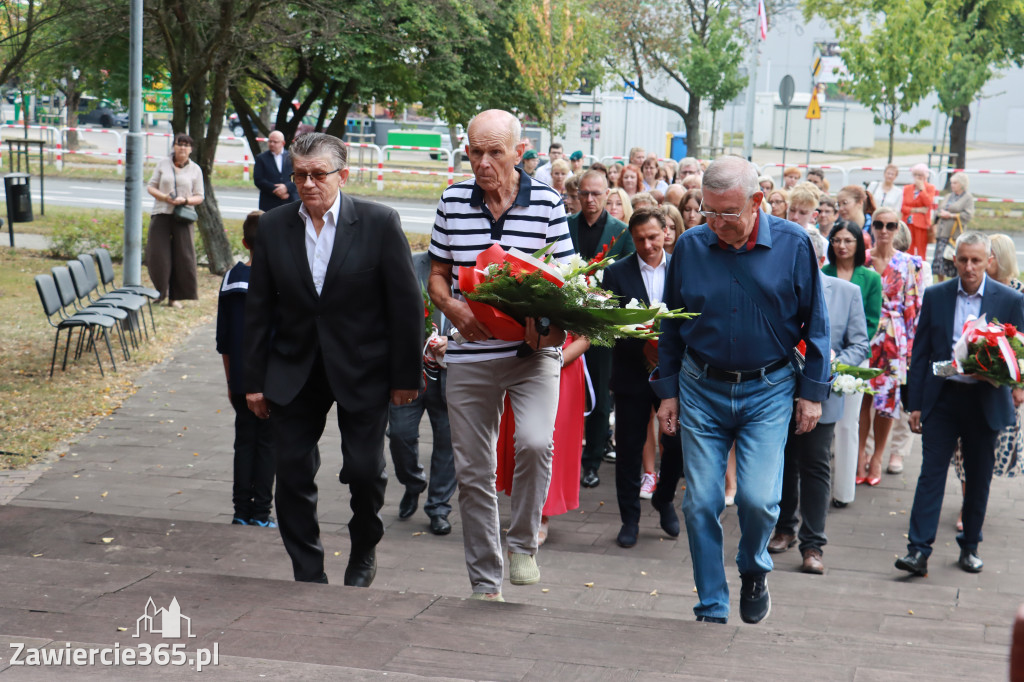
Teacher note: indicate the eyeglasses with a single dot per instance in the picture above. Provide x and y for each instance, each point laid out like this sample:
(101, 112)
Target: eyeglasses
(727, 217)
(879, 225)
(843, 242)
(585, 195)
(300, 178)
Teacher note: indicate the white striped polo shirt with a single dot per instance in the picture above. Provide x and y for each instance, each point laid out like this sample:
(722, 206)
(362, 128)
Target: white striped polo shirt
(464, 227)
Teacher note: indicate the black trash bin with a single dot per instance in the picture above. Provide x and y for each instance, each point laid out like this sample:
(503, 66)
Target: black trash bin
(19, 201)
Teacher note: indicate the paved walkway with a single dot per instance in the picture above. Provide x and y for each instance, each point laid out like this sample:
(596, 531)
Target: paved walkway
(140, 508)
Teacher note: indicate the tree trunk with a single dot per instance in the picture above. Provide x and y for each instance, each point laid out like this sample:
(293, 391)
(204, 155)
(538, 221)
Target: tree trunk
(211, 229)
(692, 121)
(892, 134)
(958, 134)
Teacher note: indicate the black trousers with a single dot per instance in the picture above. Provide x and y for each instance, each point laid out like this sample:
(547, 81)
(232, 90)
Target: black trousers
(297, 430)
(807, 484)
(595, 426)
(254, 466)
(957, 414)
(632, 415)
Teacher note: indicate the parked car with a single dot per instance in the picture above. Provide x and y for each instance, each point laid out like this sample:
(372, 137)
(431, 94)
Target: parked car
(97, 111)
(446, 140)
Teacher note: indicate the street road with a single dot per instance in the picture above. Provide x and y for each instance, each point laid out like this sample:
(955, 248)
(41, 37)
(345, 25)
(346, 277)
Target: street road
(234, 203)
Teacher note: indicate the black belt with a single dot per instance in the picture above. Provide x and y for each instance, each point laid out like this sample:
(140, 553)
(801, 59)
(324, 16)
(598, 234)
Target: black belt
(736, 377)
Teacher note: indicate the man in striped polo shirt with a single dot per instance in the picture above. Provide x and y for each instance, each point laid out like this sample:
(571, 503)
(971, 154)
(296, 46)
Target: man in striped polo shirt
(502, 205)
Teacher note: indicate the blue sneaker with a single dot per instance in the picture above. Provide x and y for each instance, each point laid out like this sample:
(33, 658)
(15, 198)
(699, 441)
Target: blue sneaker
(239, 522)
(269, 523)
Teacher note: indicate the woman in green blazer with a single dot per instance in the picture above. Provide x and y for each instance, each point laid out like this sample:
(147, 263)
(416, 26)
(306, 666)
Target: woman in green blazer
(847, 255)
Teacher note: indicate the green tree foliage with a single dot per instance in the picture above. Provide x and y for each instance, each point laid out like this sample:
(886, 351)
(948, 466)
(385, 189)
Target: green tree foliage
(22, 32)
(549, 46)
(202, 44)
(988, 36)
(698, 45)
(897, 61)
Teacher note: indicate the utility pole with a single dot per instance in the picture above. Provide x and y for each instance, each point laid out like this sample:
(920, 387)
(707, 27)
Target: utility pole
(755, 48)
(133, 163)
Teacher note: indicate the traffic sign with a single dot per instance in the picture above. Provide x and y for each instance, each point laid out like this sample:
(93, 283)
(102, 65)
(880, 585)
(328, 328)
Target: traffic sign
(813, 109)
(786, 89)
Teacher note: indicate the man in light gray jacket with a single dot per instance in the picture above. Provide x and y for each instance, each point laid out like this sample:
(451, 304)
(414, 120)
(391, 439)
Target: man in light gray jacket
(806, 479)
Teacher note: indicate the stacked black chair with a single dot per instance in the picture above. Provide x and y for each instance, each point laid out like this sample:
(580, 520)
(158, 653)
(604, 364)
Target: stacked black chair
(85, 322)
(86, 289)
(106, 268)
(67, 293)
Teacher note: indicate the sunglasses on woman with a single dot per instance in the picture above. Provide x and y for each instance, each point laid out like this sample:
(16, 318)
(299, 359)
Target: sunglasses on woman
(879, 225)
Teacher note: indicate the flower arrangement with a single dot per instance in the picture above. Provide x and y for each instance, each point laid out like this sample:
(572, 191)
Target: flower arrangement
(990, 351)
(846, 379)
(506, 288)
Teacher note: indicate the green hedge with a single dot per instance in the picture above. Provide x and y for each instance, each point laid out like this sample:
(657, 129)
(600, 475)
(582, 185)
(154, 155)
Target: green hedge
(90, 230)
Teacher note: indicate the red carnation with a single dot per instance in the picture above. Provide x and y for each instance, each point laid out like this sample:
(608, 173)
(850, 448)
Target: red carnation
(1010, 330)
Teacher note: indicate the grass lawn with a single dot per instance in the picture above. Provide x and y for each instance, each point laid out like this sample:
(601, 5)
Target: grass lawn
(38, 414)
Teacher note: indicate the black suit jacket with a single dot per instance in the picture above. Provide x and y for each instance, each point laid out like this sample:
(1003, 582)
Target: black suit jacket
(367, 320)
(934, 343)
(266, 175)
(629, 368)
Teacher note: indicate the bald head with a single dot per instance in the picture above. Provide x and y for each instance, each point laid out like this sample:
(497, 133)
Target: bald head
(495, 122)
(275, 140)
(674, 194)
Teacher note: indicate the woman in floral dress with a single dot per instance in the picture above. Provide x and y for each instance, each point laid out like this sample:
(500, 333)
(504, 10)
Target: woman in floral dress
(902, 290)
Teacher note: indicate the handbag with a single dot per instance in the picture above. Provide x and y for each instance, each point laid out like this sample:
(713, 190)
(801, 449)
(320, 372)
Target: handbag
(949, 252)
(184, 213)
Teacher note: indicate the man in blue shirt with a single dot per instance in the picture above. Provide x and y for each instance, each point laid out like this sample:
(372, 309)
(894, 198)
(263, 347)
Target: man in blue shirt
(728, 375)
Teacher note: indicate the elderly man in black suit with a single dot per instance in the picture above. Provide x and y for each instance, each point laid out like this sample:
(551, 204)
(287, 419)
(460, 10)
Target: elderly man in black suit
(272, 172)
(956, 408)
(334, 315)
(640, 276)
(591, 230)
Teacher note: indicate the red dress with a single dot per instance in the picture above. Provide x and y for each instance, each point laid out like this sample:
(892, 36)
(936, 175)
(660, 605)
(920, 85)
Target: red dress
(564, 490)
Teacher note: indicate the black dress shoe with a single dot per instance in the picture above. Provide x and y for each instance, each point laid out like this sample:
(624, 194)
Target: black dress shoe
(970, 562)
(590, 479)
(409, 504)
(627, 535)
(362, 567)
(439, 525)
(669, 520)
(915, 563)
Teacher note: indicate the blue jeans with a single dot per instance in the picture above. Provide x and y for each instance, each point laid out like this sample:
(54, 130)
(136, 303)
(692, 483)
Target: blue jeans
(713, 414)
(404, 438)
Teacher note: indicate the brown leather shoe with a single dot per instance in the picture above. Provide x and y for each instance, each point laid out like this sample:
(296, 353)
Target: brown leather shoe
(780, 542)
(812, 562)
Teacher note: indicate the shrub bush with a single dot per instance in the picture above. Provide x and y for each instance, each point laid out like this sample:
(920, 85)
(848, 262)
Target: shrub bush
(87, 231)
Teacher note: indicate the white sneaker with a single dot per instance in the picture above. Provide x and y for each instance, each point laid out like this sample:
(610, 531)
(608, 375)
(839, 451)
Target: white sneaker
(648, 482)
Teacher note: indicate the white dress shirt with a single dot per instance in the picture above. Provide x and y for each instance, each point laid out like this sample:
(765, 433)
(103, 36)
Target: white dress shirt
(279, 160)
(319, 247)
(654, 278)
(966, 305)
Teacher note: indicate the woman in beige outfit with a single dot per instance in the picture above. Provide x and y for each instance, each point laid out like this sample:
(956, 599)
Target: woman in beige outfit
(170, 246)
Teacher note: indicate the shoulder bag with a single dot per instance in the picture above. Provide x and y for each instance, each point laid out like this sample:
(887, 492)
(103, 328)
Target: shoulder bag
(949, 251)
(184, 213)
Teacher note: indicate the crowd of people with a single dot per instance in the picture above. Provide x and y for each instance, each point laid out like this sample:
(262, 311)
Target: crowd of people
(722, 399)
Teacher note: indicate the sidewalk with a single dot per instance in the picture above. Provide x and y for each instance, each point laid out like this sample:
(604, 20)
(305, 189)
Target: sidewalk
(140, 508)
